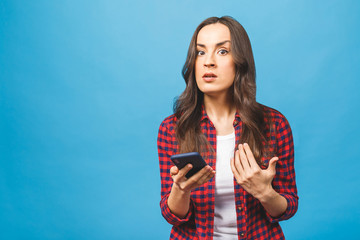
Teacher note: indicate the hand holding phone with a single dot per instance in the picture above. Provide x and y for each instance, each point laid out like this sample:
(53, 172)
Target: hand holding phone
(189, 173)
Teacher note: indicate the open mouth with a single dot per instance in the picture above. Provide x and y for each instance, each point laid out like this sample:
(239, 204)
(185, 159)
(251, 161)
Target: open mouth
(209, 76)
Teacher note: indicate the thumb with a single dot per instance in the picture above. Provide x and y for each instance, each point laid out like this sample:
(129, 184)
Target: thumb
(272, 164)
(174, 170)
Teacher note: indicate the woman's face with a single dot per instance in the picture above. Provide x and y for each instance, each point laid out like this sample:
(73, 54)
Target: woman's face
(214, 65)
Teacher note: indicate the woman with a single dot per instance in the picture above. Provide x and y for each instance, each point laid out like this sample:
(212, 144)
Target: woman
(249, 184)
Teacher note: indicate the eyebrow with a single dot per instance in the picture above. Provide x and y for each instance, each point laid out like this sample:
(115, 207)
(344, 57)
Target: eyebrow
(218, 44)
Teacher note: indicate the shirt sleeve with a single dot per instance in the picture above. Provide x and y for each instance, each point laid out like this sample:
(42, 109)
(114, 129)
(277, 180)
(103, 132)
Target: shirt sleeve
(166, 144)
(284, 180)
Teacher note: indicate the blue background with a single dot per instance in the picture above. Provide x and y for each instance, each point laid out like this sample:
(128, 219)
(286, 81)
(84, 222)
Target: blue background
(84, 86)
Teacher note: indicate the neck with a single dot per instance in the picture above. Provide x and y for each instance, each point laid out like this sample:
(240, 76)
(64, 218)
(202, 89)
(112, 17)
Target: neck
(219, 107)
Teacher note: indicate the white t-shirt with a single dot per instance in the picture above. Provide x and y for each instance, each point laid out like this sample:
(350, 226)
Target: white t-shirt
(225, 226)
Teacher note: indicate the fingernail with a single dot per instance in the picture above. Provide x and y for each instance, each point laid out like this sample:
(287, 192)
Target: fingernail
(245, 144)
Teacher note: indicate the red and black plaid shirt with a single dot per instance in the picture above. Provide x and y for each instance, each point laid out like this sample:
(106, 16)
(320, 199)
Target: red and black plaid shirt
(253, 222)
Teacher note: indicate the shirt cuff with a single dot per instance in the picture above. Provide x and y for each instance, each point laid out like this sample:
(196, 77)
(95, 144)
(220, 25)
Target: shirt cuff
(172, 218)
(292, 205)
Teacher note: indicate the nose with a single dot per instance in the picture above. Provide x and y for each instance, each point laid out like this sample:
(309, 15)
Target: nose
(209, 61)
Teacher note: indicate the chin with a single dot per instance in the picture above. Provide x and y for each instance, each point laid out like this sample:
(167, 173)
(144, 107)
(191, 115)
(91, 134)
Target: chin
(211, 92)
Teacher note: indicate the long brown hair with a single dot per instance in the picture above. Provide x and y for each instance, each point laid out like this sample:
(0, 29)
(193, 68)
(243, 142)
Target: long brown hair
(187, 108)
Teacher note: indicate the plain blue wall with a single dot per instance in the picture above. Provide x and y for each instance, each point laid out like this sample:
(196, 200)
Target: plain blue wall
(84, 86)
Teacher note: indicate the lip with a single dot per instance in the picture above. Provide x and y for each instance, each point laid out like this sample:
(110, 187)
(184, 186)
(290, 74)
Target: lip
(209, 77)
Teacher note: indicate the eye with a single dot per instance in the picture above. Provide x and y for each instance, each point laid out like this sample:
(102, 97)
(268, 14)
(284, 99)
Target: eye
(223, 52)
(200, 53)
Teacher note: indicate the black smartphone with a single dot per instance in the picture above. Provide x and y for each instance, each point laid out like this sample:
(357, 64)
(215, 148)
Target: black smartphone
(182, 159)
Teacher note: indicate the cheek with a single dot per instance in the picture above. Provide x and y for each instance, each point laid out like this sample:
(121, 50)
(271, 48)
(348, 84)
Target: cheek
(197, 67)
(229, 68)
(198, 71)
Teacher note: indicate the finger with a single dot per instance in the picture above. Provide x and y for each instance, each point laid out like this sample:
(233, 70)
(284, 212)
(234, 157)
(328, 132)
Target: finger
(250, 156)
(210, 176)
(200, 177)
(272, 164)
(204, 171)
(174, 170)
(206, 176)
(244, 159)
(234, 170)
(238, 164)
(185, 170)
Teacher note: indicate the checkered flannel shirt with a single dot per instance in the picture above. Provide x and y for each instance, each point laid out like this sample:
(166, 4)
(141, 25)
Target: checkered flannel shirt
(253, 222)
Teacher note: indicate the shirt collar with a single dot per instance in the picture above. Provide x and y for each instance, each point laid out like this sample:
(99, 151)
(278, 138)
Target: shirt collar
(204, 115)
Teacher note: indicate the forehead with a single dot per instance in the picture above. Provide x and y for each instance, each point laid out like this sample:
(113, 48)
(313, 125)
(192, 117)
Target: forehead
(213, 34)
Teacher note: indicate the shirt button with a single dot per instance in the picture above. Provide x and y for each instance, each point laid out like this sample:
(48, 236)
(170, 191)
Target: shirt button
(240, 208)
(242, 234)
